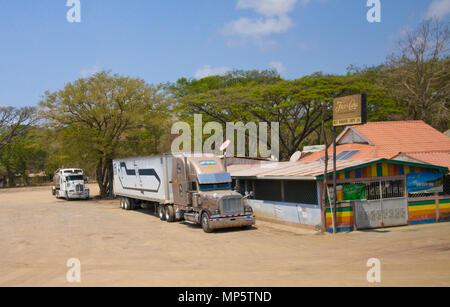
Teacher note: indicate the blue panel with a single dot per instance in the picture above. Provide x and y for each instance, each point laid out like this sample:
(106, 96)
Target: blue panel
(214, 178)
(430, 221)
(346, 155)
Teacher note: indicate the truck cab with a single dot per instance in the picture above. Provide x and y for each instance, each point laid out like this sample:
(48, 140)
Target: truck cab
(70, 184)
(202, 191)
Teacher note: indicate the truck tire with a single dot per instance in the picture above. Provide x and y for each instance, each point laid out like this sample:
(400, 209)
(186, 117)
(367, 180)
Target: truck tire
(127, 203)
(132, 203)
(122, 203)
(67, 196)
(170, 214)
(161, 213)
(205, 223)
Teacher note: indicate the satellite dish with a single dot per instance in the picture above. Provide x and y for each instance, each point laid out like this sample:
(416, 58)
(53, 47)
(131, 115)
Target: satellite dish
(225, 145)
(296, 156)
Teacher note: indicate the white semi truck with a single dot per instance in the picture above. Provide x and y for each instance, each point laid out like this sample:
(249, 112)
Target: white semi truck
(69, 184)
(193, 188)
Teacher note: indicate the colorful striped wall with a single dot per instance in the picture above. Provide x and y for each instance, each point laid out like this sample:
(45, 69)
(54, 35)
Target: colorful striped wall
(444, 210)
(344, 216)
(422, 212)
(382, 170)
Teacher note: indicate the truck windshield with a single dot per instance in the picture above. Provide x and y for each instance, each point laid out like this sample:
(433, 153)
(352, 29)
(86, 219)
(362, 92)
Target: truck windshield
(215, 186)
(74, 178)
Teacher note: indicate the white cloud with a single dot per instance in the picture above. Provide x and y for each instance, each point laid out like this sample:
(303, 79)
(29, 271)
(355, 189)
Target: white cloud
(274, 19)
(278, 66)
(259, 27)
(268, 7)
(89, 71)
(207, 71)
(438, 9)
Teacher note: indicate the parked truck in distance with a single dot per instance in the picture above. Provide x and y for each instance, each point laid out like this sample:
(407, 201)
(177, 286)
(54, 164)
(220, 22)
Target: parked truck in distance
(69, 184)
(194, 188)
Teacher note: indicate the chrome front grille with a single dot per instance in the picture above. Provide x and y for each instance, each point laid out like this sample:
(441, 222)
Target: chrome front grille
(232, 206)
(79, 188)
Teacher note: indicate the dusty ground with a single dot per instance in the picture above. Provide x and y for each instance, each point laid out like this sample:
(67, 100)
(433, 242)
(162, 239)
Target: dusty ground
(38, 234)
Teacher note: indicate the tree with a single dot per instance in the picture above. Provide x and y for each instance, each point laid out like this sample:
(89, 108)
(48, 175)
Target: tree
(14, 123)
(296, 104)
(21, 156)
(96, 116)
(418, 76)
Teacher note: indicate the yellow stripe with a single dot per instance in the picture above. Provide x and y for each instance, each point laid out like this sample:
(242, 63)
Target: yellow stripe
(341, 214)
(421, 208)
(385, 169)
(444, 206)
(374, 170)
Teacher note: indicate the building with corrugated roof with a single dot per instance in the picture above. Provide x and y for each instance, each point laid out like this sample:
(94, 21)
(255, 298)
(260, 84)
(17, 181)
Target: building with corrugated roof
(388, 174)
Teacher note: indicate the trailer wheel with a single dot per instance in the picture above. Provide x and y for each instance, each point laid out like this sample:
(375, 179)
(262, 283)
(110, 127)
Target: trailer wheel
(205, 223)
(170, 214)
(127, 203)
(133, 204)
(161, 213)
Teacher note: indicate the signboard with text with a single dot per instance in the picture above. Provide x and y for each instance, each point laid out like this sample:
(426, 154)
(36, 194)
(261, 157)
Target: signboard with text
(350, 110)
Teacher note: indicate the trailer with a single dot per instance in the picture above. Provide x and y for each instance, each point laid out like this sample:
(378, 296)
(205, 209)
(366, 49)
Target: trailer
(193, 188)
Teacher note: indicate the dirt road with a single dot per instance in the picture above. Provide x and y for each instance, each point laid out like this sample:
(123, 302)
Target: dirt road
(38, 234)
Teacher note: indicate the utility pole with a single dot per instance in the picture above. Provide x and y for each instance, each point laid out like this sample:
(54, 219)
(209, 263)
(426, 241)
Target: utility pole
(334, 181)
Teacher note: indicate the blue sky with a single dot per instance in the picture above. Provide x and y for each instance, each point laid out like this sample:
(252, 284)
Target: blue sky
(162, 41)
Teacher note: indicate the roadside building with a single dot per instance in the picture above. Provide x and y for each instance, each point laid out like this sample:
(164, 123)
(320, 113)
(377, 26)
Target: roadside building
(378, 184)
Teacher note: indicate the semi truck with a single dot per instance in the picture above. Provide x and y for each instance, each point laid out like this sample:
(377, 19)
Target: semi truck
(69, 184)
(192, 188)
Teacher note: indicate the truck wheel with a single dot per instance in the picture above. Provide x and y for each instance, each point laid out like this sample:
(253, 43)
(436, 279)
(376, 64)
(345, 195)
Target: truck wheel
(132, 203)
(205, 223)
(170, 214)
(67, 196)
(127, 203)
(53, 191)
(161, 213)
(122, 203)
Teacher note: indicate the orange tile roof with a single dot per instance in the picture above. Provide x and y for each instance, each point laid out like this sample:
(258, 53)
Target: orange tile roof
(388, 139)
(440, 158)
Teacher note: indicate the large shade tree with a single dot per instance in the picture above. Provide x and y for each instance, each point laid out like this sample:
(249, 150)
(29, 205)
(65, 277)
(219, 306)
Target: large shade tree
(99, 118)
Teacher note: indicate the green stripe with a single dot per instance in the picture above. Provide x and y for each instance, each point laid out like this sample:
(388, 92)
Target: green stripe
(421, 203)
(379, 170)
(439, 168)
(444, 201)
(344, 209)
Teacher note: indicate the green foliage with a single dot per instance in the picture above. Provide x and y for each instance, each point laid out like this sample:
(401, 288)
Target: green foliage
(22, 156)
(103, 117)
(296, 104)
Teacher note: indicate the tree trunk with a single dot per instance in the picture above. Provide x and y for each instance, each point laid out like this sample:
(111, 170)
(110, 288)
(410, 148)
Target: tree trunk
(11, 180)
(100, 175)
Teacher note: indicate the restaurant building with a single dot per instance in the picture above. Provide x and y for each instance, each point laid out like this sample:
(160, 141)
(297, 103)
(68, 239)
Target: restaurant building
(381, 181)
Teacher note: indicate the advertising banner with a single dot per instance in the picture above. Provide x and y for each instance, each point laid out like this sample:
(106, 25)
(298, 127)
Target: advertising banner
(429, 182)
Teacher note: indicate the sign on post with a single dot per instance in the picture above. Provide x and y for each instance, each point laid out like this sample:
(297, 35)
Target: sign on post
(350, 110)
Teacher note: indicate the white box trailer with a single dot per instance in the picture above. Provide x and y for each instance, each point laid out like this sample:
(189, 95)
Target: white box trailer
(145, 178)
(194, 188)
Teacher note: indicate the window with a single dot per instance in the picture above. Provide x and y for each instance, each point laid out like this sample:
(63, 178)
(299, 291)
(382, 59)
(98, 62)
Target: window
(74, 178)
(215, 186)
